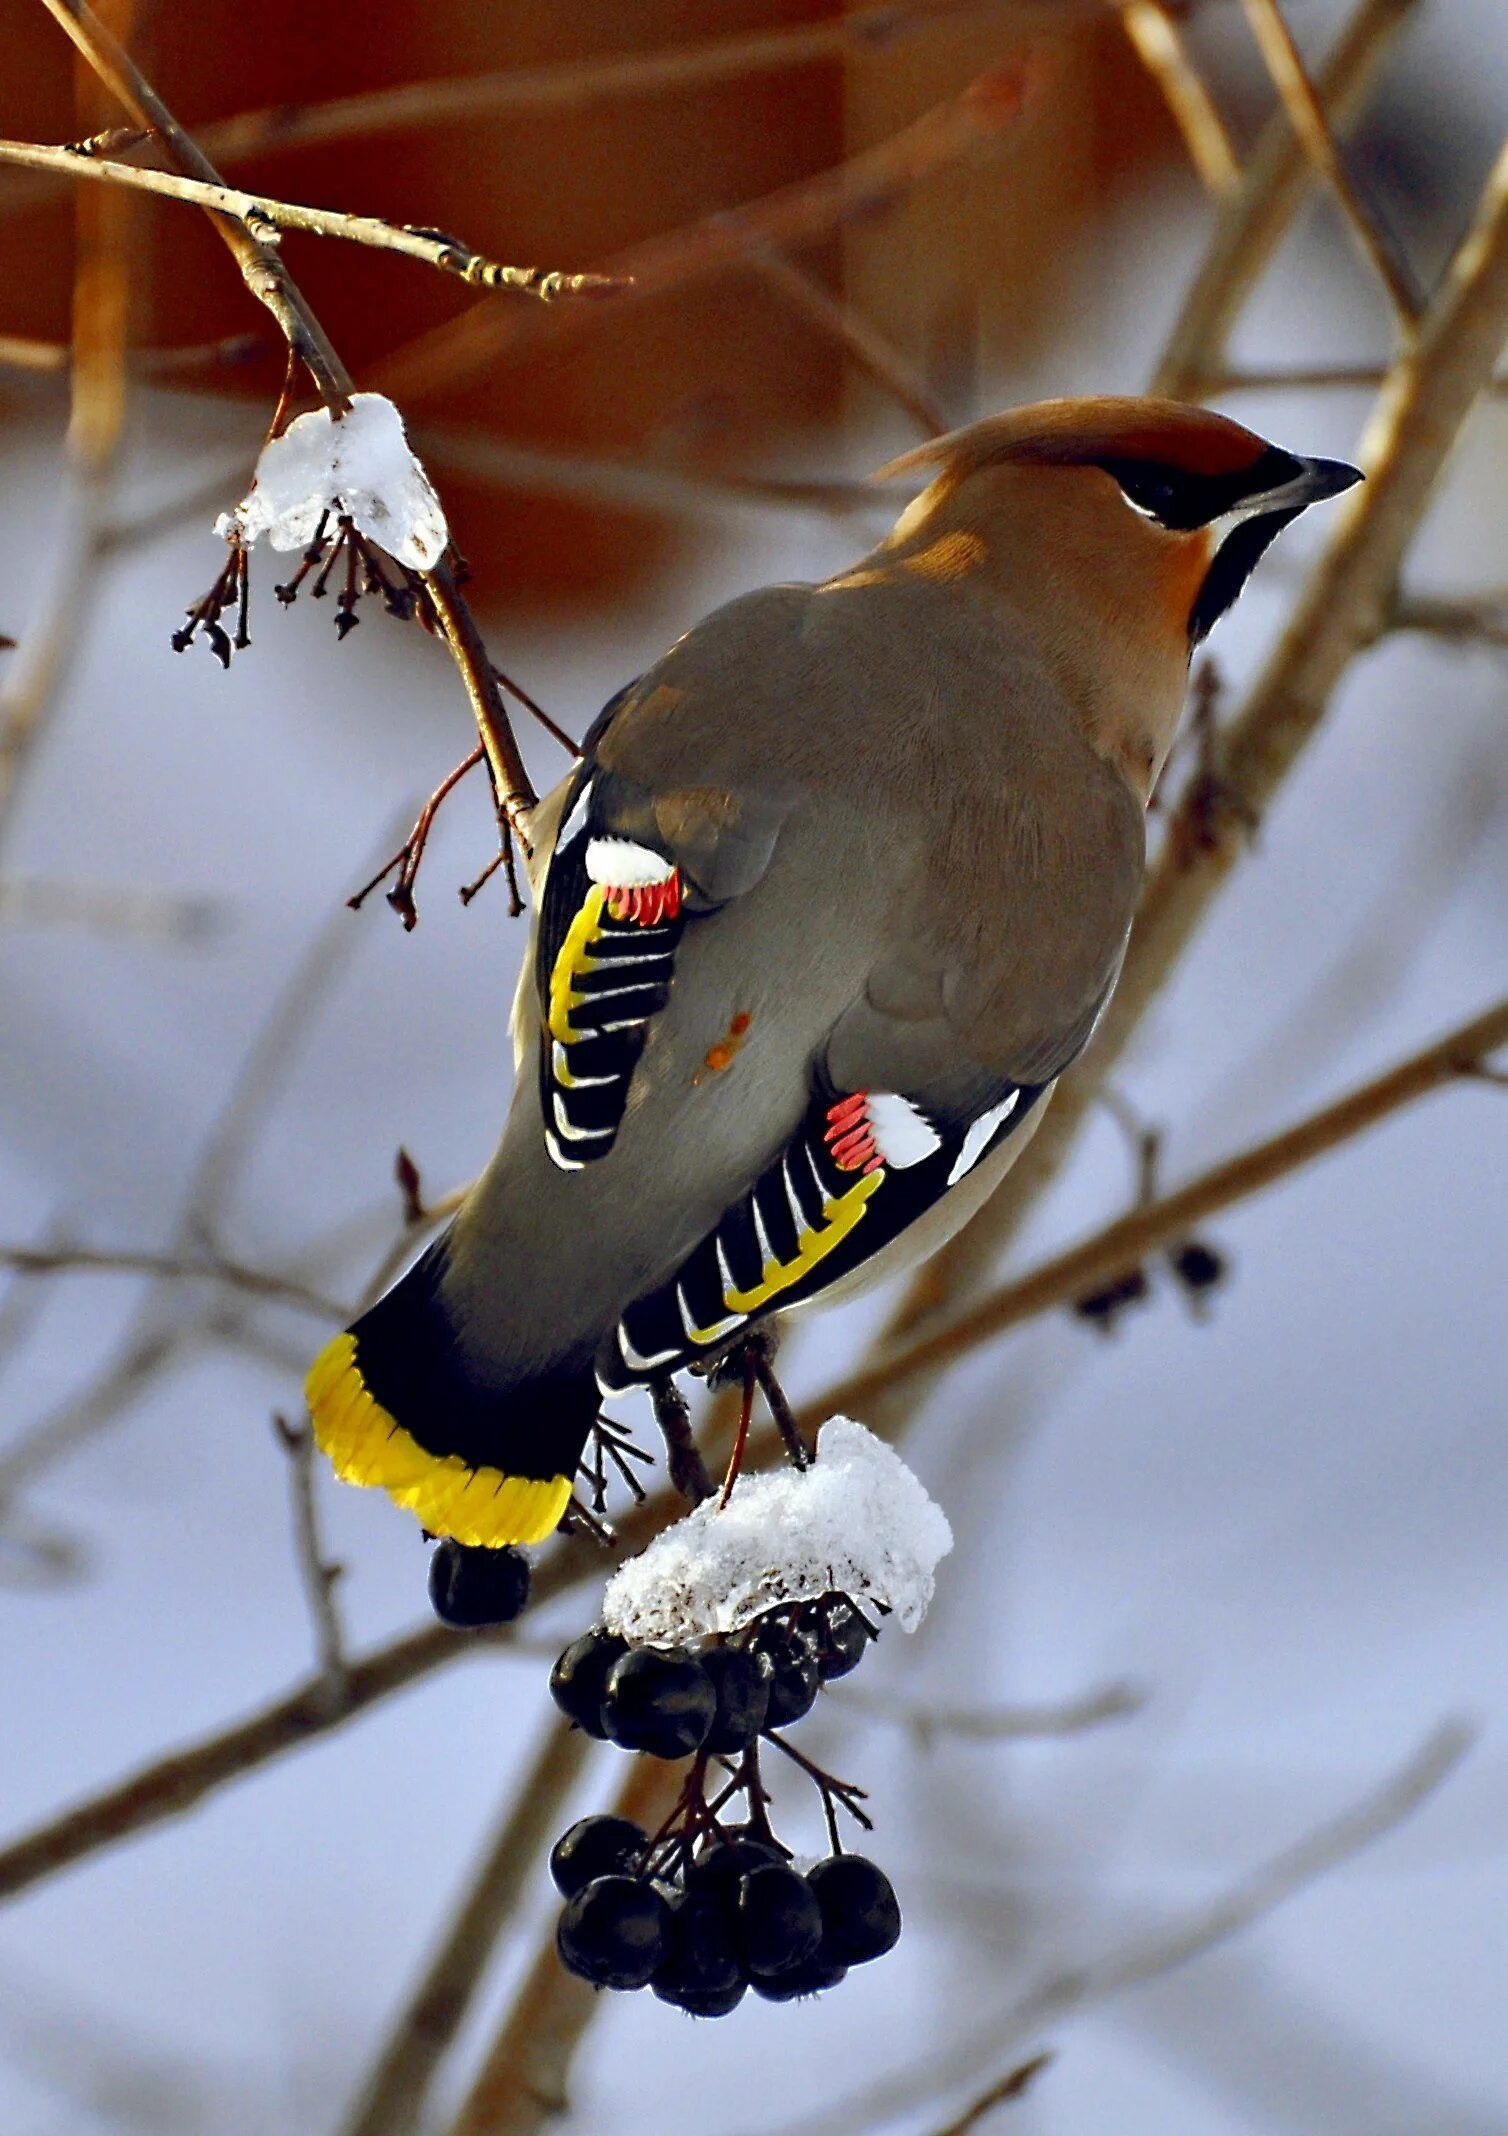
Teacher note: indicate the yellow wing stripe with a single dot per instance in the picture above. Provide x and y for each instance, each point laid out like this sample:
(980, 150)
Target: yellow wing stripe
(480, 1507)
(838, 1219)
(572, 962)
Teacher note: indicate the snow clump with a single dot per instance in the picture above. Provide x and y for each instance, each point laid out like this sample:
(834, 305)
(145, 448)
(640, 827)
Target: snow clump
(857, 1523)
(361, 465)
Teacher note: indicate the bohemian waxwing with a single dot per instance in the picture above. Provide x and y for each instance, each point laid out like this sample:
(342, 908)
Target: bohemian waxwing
(836, 891)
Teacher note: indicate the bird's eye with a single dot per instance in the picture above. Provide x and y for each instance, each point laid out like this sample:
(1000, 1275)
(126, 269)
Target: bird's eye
(1157, 492)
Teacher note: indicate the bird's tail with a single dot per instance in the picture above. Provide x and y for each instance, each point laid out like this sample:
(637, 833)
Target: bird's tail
(396, 1402)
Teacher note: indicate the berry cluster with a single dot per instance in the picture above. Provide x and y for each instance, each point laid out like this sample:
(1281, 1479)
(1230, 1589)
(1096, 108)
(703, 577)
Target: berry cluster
(705, 1909)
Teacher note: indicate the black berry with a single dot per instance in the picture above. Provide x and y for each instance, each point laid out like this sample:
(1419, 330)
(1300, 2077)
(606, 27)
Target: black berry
(578, 1681)
(468, 1587)
(742, 1682)
(809, 1978)
(699, 1960)
(1198, 1267)
(843, 1638)
(612, 1932)
(793, 1656)
(779, 1920)
(860, 1917)
(660, 1702)
(705, 2002)
(721, 1868)
(1102, 1308)
(593, 1847)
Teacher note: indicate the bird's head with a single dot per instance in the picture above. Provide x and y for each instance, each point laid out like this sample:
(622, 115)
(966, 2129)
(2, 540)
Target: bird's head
(1178, 500)
(1115, 532)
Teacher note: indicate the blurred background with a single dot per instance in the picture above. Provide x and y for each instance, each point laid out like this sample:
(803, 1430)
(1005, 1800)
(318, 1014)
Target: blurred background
(1278, 1512)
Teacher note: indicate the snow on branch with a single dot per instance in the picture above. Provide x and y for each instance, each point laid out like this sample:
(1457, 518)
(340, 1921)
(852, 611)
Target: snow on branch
(857, 1522)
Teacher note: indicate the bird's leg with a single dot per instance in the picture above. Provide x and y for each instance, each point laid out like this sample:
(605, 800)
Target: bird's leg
(741, 1438)
(687, 1470)
(760, 1352)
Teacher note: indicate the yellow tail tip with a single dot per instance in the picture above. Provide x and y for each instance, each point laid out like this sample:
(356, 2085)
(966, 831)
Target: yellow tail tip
(480, 1507)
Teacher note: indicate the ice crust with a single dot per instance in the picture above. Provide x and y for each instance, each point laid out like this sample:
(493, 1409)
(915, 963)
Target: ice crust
(364, 463)
(857, 1522)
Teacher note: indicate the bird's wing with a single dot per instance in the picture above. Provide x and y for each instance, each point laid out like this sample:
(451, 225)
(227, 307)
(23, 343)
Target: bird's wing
(630, 869)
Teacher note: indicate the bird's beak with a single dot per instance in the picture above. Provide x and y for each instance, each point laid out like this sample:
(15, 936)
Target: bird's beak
(1316, 480)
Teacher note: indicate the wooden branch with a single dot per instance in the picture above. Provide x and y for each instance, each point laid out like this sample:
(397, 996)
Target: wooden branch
(965, 127)
(577, 85)
(1348, 377)
(267, 220)
(1013, 2085)
(1014, 2026)
(22, 352)
(1160, 45)
(393, 2098)
(996, 1724)
(1306, 113)
(871, 351)
(171, 1785)
(318, 1574)
(1420, 413)
(271, 284)
(1124, 1245)
(1253, 222)
(524, 2077)
(172, 1267)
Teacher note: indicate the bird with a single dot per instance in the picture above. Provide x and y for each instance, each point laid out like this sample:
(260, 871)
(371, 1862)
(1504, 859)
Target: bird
(838, 888)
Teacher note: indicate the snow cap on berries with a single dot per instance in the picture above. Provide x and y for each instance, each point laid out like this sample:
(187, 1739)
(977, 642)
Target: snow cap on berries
(361, 465)
(857, 1522)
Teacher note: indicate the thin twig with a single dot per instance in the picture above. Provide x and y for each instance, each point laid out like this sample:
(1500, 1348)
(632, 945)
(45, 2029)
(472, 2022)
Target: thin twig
(1306, 113)
(1123, 1245)
(320, 1575)
(392, 2099)
(873, 352)
(997, 1724)
(22, 352)
(270, 283)
(523, 2076)
(1157, 35)
(170, 1267)
(1014, 2085)
(965, 127)
(268, 219)
(1017, 2025)
(578, 84)
(176, 1783)
(1253, 221)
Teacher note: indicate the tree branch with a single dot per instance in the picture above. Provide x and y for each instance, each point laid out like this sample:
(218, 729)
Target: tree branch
(523, 2080)
(257, 1282)
(1160, 45)
(391, 2101)
(966, 126)
(1123, 1245)
(271, 284)
(1306, 113)
(1252, 223)
(268, 219)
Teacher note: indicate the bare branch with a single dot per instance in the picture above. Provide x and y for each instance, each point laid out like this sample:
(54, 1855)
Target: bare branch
(524, 2078)
(20, 352)
(318, 1573)
(1017, 2024)
(271, 284)
(873, 352)
(1306, 113)
(1252, 223)
(1121, 1246)
(171, 1267)
(966, 127)
(391, 2101)
(1154, 30)
(999, 1724)
(1014, 2085)
(267, 220)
